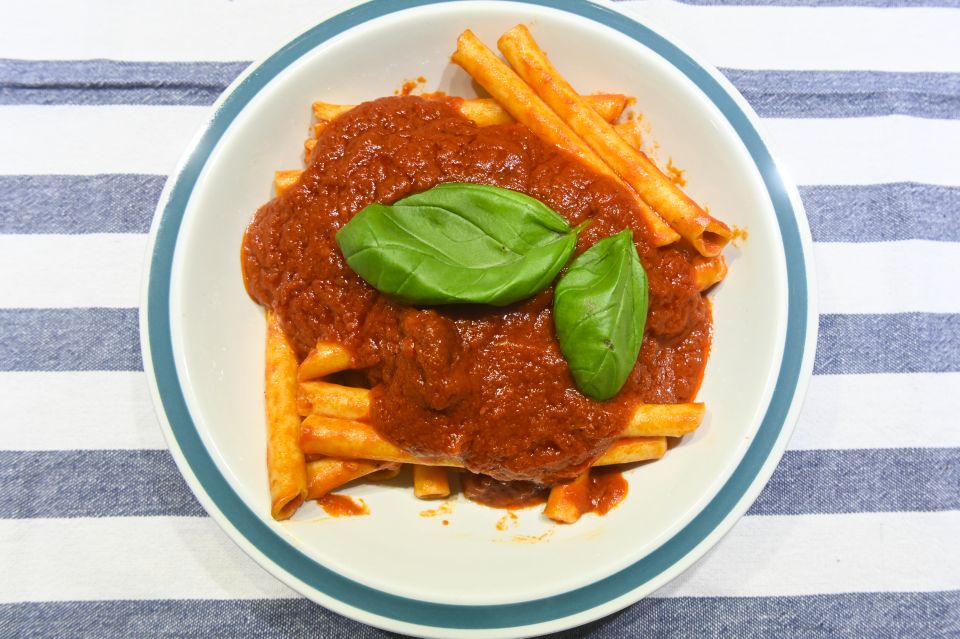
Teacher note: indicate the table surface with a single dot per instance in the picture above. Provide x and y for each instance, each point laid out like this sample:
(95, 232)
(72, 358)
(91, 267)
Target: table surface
(857, 532)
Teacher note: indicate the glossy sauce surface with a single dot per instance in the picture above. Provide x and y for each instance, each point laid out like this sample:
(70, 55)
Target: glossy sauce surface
(486, 385)
(607, 489)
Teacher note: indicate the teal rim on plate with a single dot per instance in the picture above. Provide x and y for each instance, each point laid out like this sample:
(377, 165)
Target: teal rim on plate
(157, 333)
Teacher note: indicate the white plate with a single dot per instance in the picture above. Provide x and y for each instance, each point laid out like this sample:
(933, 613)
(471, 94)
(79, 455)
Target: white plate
(203, 337)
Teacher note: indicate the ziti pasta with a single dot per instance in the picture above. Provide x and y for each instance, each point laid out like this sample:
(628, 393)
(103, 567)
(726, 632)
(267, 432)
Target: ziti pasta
(505, 288)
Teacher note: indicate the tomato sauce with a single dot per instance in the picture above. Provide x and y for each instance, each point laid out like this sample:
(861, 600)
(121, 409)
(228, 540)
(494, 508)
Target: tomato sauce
(607, 489)
(342, 506)
(486, 385)
(503, 494)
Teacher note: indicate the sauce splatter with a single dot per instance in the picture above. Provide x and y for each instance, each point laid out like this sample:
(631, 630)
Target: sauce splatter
(443, 509)
(532, 539)
(409, 85)
(509, 520)
(343, 506)
(675, 174)
(738, 235)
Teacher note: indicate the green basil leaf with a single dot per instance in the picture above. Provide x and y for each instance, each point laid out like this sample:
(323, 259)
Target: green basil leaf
(458, 243)
(600, 309)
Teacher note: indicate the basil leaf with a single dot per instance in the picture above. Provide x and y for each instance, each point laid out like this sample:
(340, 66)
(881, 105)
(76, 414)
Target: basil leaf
(600, 309)
(458, 243)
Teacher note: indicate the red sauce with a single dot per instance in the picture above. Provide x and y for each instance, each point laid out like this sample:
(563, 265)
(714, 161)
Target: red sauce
(486, 385)
(409, 85)
(503, 494)
(607, 489)
(675, 174)
(342, 506)
(508, 520)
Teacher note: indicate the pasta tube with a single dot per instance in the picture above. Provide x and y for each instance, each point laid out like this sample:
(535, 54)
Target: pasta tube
(648, 420)
(630, 132)
(486, 111)
(283, 180)
(333, 400)
(430, 482)
(671, 420)
(325, 359)
(709, 271)
(324, 475)
(633, 449)
(348, 439)
(523, 104)
(567, 502)
(286, 468)
(386, 473)
(519, 100)
(325, 112)
(707, 234)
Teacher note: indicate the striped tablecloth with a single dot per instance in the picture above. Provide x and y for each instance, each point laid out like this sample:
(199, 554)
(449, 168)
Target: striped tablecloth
(858, 532)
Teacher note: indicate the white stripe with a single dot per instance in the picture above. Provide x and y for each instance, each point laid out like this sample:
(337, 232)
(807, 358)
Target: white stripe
(68, 271)
(126, 558)
(747, 37)
(171, 558)
(101, 139)
(888, 277)
(113, 410)
(867, 150)
(138, 139)
(816, 38)
(181, 30)
(813, 554)
(880, 411)
(77, 410)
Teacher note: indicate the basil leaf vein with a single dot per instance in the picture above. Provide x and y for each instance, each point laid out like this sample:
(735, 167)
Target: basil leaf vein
(600, 310)
(458, 243)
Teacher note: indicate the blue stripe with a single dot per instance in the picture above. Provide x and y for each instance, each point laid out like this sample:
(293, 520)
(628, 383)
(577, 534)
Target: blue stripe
(114, 82)
(873, 480)
(80, 339)
(83, 339)
(93, 483)
(125, 203)
(894, 343)
(146, 483)
(772, 93)
(70, 339)
(848, 94)
(880, 615)
(72, 204)
(882, 212)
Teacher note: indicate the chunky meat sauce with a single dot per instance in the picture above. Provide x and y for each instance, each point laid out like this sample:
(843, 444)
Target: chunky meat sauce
(486, 385)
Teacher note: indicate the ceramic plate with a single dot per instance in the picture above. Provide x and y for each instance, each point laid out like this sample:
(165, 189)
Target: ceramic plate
(480, 574)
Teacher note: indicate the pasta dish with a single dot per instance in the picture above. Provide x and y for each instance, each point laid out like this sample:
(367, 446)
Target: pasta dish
(505, 292)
